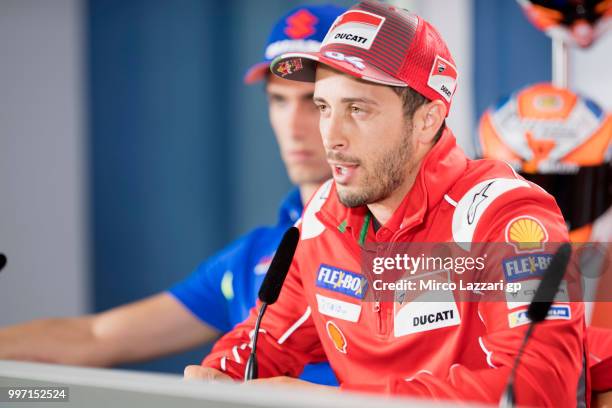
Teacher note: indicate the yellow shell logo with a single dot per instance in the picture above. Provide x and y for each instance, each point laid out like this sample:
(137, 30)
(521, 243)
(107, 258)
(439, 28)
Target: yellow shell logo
(526, 234)
(336, 336)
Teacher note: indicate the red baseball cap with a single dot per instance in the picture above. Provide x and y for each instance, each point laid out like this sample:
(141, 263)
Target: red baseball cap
(382, 44)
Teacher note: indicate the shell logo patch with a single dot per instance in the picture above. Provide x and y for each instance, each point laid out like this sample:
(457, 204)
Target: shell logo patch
(336, 336)
(526, 234)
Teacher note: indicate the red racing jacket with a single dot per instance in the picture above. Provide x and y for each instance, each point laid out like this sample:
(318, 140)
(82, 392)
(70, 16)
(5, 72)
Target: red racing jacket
(445, 350)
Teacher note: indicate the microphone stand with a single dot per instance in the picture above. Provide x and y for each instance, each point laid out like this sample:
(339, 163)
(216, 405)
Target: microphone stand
(508, 399)
(250, 371)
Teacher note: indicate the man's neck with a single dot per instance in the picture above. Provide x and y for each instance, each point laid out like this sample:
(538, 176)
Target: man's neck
(384, 209)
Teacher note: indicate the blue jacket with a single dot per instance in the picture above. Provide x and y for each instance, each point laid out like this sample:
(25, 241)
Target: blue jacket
(223, 288)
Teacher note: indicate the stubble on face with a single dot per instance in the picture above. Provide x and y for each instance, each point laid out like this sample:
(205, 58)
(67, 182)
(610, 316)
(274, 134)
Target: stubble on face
(383, 175)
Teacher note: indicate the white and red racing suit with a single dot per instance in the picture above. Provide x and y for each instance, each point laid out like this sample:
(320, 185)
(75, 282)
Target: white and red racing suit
(445, 350)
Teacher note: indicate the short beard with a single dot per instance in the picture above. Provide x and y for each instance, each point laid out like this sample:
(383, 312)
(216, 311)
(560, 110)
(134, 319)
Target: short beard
(387, 174)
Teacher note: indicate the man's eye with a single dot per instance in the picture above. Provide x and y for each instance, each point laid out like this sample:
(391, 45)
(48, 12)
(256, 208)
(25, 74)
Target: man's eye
(277, 100)
(322, 108)
(356, 109)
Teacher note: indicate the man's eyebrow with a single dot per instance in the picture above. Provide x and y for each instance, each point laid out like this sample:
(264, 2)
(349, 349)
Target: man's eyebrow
(348, 100)
(362, 100)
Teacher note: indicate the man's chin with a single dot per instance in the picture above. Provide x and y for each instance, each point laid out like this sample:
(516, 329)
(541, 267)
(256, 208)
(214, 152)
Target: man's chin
(350, 198)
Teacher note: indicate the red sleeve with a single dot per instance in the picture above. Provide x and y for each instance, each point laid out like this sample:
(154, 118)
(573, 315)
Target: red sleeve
(552, 366)
(287, 340)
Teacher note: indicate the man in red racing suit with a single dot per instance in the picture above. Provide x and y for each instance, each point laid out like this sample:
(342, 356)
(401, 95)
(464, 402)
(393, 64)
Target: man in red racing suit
(428, 191)
(468, 356)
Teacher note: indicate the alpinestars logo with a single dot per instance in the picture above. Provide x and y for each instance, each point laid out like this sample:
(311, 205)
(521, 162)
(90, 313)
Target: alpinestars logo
(479, 197)
(301, 24)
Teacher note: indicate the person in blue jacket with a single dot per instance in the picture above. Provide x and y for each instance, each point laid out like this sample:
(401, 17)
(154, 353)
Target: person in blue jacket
(222, 289)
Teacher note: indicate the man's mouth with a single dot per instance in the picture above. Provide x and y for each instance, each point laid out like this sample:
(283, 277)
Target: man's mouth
(344, 172)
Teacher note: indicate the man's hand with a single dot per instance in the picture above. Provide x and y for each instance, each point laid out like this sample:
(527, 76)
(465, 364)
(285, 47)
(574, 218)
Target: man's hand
(210, 374)
(205, 373)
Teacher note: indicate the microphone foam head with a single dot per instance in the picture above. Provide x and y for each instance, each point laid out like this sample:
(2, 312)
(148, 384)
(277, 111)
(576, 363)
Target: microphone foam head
(549, 285)
(275, 277)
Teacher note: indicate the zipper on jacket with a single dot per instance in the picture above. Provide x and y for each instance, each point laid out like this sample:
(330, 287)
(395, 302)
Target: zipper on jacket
(356, 248)
(379, 309)
(379, 318)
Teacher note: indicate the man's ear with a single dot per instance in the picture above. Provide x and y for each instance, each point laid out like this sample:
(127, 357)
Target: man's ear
(427, 120)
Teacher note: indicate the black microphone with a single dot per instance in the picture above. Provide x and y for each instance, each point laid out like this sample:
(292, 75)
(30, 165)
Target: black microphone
(270, 289)
(2, 261)
(538, 310)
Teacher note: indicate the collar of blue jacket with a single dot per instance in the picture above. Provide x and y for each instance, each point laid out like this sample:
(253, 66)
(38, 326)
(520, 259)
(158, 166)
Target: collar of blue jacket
(291, 208)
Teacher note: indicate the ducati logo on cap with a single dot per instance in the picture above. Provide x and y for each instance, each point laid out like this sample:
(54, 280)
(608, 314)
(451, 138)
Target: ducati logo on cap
(443, 78)
(357, 28)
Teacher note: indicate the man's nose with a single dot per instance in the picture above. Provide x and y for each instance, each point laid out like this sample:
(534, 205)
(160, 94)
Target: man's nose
(333, 132)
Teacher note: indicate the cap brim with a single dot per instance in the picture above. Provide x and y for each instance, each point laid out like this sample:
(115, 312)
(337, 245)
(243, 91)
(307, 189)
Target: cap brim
(304, 70)
(257, 73)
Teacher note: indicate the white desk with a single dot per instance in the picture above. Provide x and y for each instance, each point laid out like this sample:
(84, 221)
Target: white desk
(109, 388)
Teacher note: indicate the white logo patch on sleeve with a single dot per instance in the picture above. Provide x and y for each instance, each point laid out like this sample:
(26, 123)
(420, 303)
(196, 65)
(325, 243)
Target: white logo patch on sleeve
(473, 204)
(556, 312)
(524, 296)
(338, 308)
(443, 78)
